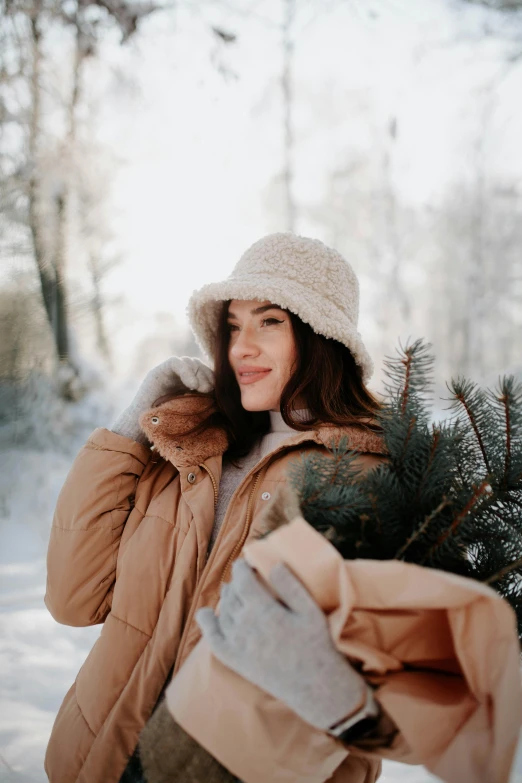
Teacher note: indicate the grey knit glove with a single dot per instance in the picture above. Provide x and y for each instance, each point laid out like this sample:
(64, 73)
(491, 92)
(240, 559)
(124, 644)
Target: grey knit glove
(176, 375)
(285, 650)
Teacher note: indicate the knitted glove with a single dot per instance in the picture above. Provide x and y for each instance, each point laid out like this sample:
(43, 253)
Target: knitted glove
(286, 650)
(174, 376)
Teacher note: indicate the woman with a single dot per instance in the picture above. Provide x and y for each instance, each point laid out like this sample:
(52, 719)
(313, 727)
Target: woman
(142, 539)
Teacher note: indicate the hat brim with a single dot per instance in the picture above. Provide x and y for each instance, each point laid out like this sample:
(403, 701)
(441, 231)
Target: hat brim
(320, 313)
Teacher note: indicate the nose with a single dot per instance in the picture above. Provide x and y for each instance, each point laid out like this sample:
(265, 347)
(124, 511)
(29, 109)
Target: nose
(244, 345)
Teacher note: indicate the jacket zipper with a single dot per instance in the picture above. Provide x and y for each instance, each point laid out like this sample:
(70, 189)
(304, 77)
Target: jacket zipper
(244, 532)
(248, 519)
(264, 466)
(214, 483)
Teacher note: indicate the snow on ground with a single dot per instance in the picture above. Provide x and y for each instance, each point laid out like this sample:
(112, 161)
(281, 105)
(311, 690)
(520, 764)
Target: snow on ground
(38, 657)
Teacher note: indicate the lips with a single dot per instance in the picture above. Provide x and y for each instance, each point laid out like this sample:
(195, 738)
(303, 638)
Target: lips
(248, 375)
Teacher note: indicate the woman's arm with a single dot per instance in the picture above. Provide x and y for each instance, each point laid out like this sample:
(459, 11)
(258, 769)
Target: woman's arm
(283, 645)
(95, 500)
(91, 511)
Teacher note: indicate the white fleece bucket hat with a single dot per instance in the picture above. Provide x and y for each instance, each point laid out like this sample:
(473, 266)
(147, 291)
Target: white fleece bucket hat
(297, 273)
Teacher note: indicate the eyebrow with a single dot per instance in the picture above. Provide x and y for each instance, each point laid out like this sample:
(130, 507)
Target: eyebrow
(259, 310)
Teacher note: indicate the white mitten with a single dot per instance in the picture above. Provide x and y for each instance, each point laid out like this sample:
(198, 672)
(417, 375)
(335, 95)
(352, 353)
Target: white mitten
(176, 375)
(286, 649)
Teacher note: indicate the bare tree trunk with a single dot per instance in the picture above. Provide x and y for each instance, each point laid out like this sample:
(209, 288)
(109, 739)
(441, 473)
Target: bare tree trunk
(97, 307)
(62, 324)
(45, 268)
(50, 270)
(397, 288)
(477, 272)
(288, 173)
(479, 279)
(62, 211)
(52, 265)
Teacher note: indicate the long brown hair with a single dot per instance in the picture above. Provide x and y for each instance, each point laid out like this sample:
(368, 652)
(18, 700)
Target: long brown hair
(325, 375)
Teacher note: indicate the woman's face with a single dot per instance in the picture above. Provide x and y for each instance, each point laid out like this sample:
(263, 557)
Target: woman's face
(261, 352)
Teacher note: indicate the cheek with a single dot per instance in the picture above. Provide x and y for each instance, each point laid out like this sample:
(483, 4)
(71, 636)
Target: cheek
(287, 359)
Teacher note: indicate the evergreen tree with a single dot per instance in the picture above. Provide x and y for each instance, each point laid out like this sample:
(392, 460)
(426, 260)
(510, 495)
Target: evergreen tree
(449, 495)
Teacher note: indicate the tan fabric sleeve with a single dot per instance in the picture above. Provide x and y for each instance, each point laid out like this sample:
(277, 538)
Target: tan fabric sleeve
(90, 514)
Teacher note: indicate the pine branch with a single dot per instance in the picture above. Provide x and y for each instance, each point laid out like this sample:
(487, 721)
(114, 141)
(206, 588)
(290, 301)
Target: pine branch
(504, 399)
(409, 433)
(509, 568)
(462, 391)
(483, 489)
(433, 450)
(423, 528)
(376, 515)
(448, 496)
(409, 373)
(408, 361)
(509, 396)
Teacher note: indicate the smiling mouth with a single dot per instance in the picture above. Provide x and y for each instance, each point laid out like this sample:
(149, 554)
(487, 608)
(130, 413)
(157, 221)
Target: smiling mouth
(252, 377)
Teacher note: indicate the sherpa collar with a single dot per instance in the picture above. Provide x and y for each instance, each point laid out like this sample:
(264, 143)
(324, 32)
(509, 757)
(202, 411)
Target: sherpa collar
(167, 426)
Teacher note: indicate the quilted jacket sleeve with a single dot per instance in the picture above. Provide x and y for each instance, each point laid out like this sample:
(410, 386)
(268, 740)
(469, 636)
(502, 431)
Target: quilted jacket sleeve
(90, 514)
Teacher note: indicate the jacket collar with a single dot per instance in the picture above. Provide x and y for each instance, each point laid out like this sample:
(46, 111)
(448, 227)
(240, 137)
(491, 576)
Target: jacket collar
(165, 426)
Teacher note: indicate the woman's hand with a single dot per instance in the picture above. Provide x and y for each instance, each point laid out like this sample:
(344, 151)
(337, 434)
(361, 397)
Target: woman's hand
(174, 376)
(286, 649)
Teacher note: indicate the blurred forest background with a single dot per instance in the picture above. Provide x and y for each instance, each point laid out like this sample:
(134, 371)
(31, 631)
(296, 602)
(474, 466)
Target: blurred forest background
(145, 145)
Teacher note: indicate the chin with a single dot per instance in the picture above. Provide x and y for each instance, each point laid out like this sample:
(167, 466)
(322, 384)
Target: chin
(255, 406)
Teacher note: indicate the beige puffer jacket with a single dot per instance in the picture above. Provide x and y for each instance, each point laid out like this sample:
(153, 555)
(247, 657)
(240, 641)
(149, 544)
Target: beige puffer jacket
(128, 549)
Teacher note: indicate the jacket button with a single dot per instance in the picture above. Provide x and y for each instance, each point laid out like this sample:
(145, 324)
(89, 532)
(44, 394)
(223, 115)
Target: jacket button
(265, 496)
(191, 478)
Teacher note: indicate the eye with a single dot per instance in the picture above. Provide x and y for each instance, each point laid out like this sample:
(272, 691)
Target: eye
(155, 420)
(270, 321)
(232, 327)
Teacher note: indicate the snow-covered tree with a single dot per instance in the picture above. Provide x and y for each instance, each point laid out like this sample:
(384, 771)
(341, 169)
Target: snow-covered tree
(43, 150)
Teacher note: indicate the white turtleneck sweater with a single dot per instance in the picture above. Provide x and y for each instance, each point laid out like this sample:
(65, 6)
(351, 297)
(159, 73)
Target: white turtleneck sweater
(232, 476)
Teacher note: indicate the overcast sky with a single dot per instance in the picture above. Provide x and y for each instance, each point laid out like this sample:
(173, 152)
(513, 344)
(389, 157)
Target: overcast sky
(197, 127)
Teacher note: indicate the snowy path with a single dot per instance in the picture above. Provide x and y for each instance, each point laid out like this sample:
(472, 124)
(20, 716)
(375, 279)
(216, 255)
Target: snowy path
(39, 660)
(38, 657)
